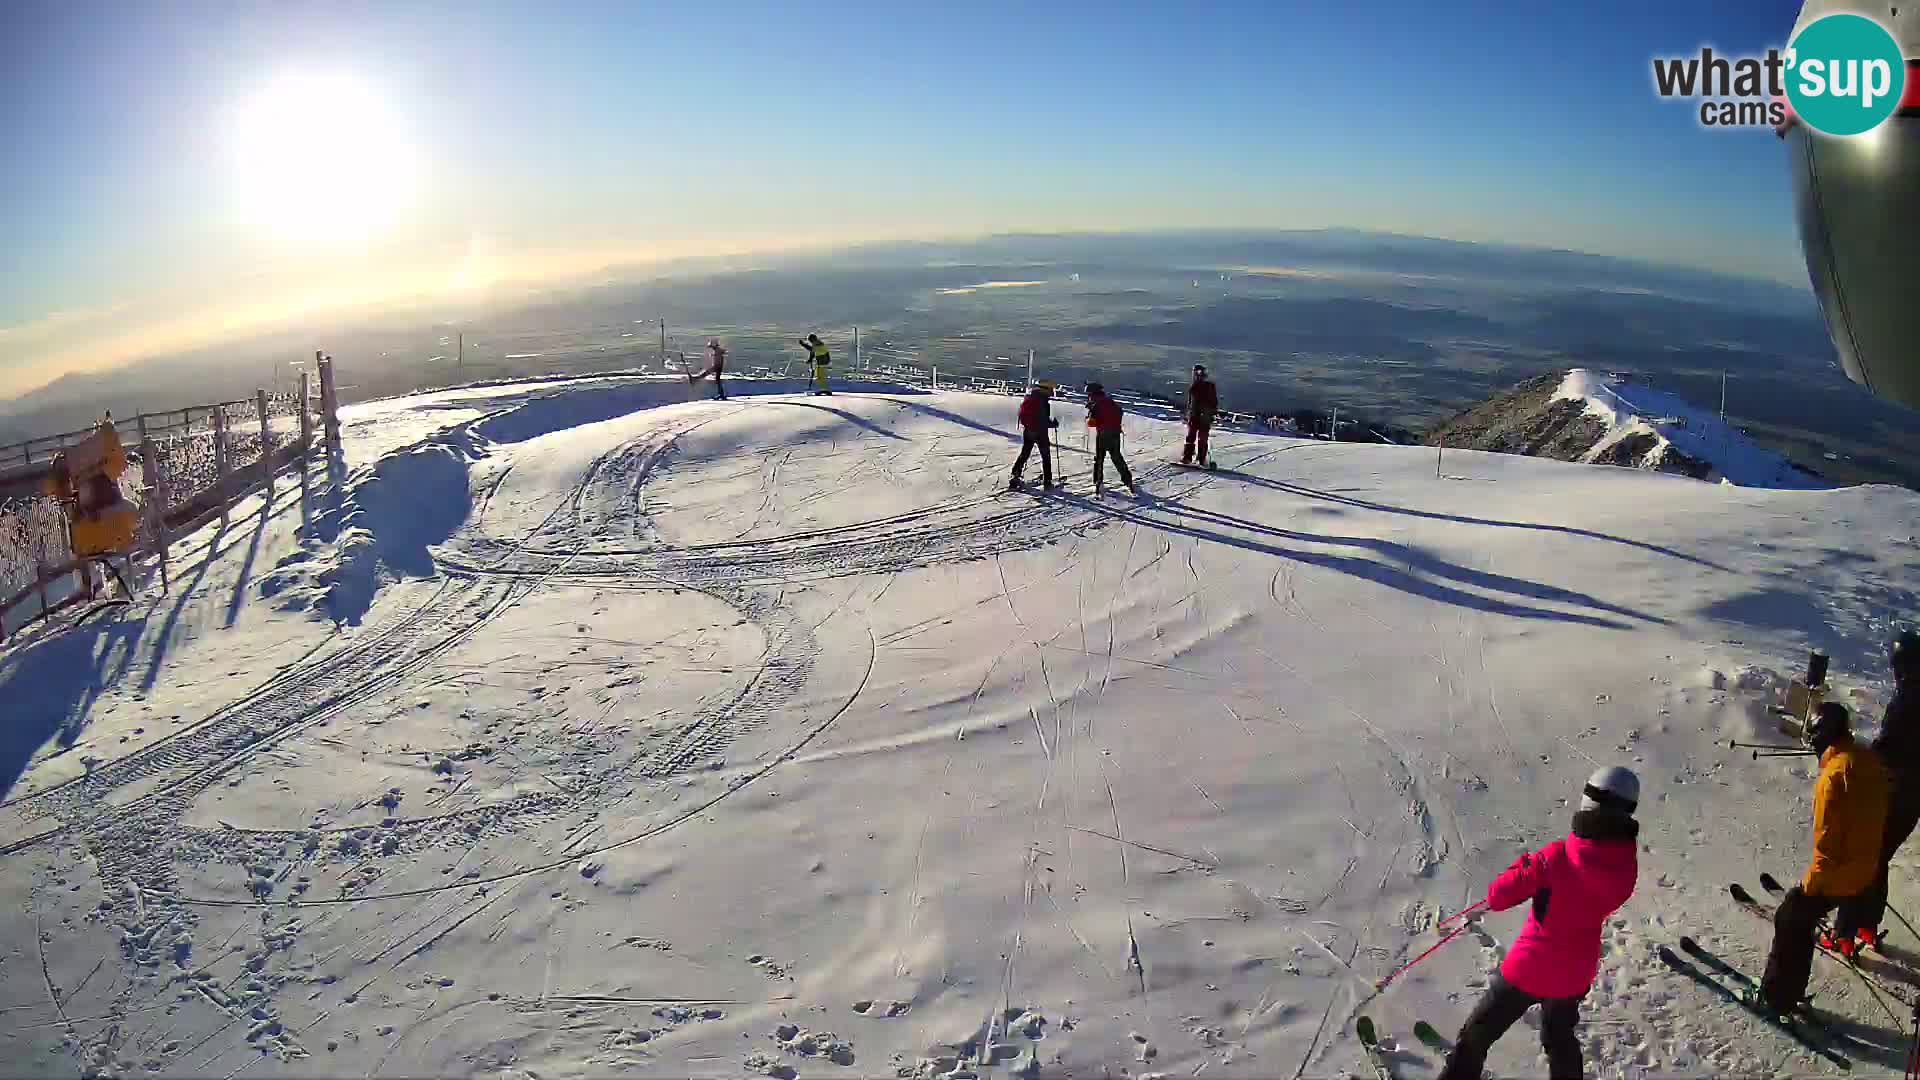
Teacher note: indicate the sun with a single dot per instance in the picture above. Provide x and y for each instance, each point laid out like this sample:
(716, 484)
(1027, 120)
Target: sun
(322, 160)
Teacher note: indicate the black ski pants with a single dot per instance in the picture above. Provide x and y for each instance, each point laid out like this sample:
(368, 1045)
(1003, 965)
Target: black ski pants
(1790, 960)
(1198, 425)
(1903, 813)
(1031, 438)
(1107, 444)
(1499, 1009)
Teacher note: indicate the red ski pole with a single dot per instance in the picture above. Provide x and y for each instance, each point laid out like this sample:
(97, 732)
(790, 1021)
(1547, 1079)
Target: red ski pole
(1395, 973)
(1462, 913)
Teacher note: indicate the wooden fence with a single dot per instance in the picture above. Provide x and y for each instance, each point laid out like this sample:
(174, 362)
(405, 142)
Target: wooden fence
(194, 463)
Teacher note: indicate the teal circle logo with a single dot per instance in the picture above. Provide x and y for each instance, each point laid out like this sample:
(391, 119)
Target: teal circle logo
(1845, 74)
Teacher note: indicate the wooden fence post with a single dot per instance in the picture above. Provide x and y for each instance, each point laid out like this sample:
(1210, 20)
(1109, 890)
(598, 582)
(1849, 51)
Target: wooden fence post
(156, 501)
(329, 403)
(306, 416)
(220, 457)
(266, 443)
(302, 458)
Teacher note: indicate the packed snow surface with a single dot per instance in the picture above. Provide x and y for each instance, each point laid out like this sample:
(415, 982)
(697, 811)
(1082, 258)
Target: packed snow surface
(583, 729)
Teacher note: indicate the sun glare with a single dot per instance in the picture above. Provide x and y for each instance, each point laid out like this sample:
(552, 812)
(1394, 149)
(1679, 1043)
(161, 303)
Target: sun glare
(322, 161)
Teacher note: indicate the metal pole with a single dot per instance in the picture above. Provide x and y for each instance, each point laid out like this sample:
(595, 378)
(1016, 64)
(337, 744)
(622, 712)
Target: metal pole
(1723, 396)
(1438, 453)
(663, 344)
(856, 348)
(1029, 369)
(460, 356)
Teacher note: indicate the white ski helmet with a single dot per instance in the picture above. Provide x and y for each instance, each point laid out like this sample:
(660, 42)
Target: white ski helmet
(1614, 787)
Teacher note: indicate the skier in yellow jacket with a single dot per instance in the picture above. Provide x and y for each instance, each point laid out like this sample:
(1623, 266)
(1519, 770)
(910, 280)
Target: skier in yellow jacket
(819, 357)
(1849, 814)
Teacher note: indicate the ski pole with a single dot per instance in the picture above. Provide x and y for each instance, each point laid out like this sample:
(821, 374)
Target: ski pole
(1396, 972)
(1757, 755)
(1462, 913)
(1905, 923)
(1736, 745)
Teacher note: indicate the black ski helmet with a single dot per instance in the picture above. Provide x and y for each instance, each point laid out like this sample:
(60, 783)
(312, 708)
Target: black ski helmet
(1904, 656)
(1831, 723)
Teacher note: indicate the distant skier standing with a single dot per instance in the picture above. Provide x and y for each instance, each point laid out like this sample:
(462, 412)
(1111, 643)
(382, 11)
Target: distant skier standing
(1036, 417)
(1849, 817)
(1573, 885)
(819, 357)
(716, 366)
(1898, 745)
(1203, 404)
(1103, 416)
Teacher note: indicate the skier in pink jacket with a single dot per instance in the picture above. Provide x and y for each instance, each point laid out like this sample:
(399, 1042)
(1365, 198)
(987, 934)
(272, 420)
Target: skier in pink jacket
(1573, 885)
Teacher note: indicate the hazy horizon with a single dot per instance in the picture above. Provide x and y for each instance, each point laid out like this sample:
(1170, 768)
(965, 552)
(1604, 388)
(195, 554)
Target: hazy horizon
(1400, 330)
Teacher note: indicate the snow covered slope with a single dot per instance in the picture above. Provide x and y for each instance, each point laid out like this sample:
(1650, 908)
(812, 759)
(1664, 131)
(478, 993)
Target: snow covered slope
(589, 730)
(1592, 418)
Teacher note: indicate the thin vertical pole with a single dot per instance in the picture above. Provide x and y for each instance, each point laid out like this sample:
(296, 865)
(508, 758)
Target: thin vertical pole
(460, 356)
(856, 348)
(1439, 452)
(1029, 369)
(663, 344)
(1723, 396)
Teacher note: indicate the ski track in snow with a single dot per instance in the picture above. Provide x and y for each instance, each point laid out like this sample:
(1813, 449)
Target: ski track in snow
(1314, 758)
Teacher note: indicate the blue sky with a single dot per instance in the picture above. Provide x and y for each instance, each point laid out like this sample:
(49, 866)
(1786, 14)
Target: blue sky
(546, 138)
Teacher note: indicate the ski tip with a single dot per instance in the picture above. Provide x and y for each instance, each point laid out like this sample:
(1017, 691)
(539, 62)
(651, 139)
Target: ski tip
(1363, 1027)
(1740, 893)
(1770, 883)
(1689, 944)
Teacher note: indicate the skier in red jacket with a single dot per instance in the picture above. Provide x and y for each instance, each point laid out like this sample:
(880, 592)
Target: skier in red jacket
(1571, 886)
(1203, 404)
(1036, 417)
(1103, 416)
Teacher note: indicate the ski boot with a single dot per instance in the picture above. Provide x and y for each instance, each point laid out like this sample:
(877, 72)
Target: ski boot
(1014, 484)
(1842, 947)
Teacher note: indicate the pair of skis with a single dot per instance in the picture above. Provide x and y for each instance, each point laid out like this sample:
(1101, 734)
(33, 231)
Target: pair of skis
(1765, 912)
(1800, 1026)
(1376, 1054)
